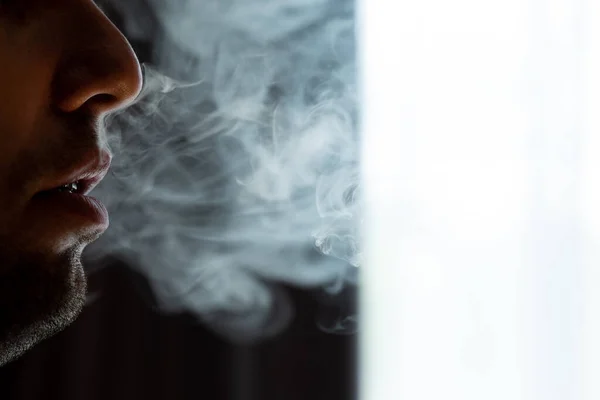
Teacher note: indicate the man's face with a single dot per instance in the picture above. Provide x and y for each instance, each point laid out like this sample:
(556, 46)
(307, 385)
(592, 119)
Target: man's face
(63, 66)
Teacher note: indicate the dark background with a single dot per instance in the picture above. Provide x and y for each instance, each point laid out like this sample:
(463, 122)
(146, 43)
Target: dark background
(121, 347)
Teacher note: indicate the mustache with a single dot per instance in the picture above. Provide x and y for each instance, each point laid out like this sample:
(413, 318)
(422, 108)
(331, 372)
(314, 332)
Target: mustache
(63, 144)
(80, 132)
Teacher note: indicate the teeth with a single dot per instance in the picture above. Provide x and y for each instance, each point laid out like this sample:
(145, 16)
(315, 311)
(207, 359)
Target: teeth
(71, 187)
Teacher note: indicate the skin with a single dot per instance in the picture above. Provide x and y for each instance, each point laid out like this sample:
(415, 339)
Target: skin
(63, 67)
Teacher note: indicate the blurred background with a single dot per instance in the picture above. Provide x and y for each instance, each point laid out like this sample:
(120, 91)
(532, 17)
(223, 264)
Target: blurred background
(131, 343)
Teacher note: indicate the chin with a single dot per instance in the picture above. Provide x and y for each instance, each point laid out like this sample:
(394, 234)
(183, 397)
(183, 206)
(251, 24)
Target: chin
(37, 301)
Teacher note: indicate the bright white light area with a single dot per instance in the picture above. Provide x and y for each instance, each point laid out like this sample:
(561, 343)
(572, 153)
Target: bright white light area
(481, 149)
(590, 202)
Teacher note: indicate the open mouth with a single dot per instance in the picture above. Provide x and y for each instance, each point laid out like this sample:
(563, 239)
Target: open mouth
(73, 187)
(78, 187)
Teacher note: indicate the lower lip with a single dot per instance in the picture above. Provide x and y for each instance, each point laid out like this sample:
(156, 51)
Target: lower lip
(74, 204)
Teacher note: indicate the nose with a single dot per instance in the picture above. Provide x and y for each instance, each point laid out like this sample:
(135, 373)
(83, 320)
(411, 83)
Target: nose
(98, 71)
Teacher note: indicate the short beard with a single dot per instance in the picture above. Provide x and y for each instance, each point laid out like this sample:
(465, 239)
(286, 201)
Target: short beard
(38, 299)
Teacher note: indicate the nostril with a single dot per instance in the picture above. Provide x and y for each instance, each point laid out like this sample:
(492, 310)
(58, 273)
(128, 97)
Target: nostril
(103, 99)
(102, 103)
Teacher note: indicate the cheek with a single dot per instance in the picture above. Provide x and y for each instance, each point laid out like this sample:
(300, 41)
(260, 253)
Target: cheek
(26, 73)
(22, 102)
(25, 116)
(16, 139)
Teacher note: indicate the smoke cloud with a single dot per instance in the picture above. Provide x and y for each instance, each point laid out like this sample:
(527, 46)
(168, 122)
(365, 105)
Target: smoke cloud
(237, 169)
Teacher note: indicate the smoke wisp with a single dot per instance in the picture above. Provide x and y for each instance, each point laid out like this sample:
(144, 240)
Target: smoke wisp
(242, 172)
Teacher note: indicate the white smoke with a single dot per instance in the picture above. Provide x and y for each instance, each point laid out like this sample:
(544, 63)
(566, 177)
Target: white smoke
(244, 172)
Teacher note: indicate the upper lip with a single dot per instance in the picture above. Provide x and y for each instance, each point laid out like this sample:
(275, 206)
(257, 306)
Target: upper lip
(88, 173)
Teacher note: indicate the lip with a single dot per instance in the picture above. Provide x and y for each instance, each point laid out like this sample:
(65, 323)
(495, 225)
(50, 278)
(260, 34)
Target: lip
(88, 173)
(73, 207)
